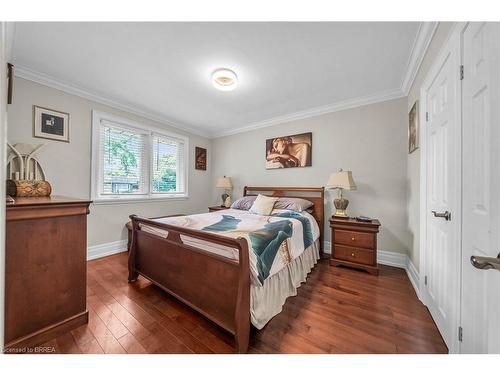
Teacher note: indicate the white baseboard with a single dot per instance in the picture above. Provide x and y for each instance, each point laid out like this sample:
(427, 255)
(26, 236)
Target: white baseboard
(106, 249)
(393, 259)
(414, 276)
(390, 258)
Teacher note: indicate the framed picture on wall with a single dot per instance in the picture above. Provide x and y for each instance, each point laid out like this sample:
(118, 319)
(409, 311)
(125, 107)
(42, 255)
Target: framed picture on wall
(50, 124)
(10, 82)
(200, 159)
(290, 151)
(413, 128)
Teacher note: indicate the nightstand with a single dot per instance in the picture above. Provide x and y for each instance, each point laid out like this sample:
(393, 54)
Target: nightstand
(217, 208)
(354, 244)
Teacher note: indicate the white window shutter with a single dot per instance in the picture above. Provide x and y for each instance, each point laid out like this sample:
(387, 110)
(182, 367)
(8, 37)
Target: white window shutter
(168, 175)
(123, 161)
(130, 161)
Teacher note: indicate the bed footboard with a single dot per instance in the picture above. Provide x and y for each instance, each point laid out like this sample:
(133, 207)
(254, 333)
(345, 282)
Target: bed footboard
(215, 286)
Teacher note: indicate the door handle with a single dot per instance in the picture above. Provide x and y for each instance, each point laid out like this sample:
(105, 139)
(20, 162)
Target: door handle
(486, 263)
(445, 215)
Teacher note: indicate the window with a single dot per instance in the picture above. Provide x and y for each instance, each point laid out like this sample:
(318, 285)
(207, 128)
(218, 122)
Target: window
(130, 161)
(167, 156)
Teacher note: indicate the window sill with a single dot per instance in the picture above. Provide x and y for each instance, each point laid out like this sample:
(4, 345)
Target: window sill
(111, 201)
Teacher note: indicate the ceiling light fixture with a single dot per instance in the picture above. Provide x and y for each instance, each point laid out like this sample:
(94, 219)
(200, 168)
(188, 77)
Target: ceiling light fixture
(224, 79)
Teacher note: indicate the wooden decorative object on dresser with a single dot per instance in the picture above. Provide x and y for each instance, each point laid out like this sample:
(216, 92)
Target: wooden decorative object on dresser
(45, 269)
(354, 243)
(217, 208)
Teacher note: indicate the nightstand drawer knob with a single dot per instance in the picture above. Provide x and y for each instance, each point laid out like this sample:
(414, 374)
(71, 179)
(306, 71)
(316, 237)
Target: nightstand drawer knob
(353, 238)
(353, 255)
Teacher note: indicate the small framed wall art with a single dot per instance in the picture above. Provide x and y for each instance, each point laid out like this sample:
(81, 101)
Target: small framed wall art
(200, 160)
(413, 128)
(50, 124)
(10, 82)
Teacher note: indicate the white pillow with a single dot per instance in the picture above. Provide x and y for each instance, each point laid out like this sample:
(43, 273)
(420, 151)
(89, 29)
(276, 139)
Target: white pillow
(263, 205)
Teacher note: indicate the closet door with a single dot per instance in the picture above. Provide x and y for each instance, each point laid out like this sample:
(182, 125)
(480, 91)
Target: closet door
(442, 198)
(481, 189)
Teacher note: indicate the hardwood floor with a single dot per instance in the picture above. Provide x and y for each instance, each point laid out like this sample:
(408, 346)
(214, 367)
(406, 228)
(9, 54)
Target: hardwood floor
(338, 310)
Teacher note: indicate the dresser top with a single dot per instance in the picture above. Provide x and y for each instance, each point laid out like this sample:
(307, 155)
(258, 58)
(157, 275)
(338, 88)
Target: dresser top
(44, 201)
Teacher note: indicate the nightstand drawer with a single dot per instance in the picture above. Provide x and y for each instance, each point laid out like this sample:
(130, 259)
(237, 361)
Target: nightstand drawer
(353, 254)
(358, 239)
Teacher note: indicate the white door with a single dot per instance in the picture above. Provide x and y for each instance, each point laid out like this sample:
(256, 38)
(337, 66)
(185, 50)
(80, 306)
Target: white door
(480, 318)
(442, 212)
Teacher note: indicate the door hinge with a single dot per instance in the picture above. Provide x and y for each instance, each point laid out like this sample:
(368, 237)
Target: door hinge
(425, 280)
(461, 72)
(460, 334)
(426, 116)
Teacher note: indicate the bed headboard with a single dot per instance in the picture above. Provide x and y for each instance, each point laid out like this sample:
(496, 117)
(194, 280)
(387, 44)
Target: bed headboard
(313, 194)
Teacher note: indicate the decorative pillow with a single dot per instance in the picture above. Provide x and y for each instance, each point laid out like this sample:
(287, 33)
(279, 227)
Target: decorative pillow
(293, 204)
(263, 205)
(244, 203)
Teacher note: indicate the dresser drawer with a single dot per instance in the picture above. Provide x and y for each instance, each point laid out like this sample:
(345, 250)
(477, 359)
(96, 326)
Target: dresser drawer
(358, 239)
(353, 254)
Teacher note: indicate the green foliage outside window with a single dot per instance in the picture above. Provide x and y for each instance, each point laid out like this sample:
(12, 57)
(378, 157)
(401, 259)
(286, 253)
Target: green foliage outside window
(122, 170)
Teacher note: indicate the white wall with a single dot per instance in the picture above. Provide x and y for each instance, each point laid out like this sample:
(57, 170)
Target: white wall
(67, 165)
(413, 160)
(369, 140)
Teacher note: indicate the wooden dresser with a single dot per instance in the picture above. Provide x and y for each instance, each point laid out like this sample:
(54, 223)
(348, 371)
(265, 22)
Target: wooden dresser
(354, 244)
(45, 269)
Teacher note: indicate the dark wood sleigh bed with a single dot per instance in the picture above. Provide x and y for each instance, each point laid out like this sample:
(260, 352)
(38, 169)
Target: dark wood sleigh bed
(215, 286)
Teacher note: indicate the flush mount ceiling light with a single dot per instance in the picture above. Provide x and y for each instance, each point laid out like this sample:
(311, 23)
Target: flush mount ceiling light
(224, 79)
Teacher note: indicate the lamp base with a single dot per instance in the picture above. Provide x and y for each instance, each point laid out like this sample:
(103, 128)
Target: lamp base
(340, 207)
(227, 202)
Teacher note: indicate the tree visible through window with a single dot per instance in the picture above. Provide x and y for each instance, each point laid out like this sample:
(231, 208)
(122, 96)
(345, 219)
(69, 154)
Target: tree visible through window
(122, 158)
(135, 162)
(165, 154)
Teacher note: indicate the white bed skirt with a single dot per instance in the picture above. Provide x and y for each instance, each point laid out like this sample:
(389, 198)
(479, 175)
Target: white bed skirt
(268, 300)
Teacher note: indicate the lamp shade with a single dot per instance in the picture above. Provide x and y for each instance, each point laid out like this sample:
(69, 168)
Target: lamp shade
(341, 179)
(224, 183)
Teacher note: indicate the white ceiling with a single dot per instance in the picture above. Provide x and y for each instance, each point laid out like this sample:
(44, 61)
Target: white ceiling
(164, 69)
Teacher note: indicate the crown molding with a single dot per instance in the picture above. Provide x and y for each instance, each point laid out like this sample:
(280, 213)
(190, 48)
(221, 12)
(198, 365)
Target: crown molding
(316, 111)
(55, 83)
(421, 43)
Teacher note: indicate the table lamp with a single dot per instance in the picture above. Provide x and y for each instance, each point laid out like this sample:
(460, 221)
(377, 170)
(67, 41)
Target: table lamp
(341, 180)
(226, 184)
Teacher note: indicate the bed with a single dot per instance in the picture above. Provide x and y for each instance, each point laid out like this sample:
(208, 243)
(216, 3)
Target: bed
(204, 260)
